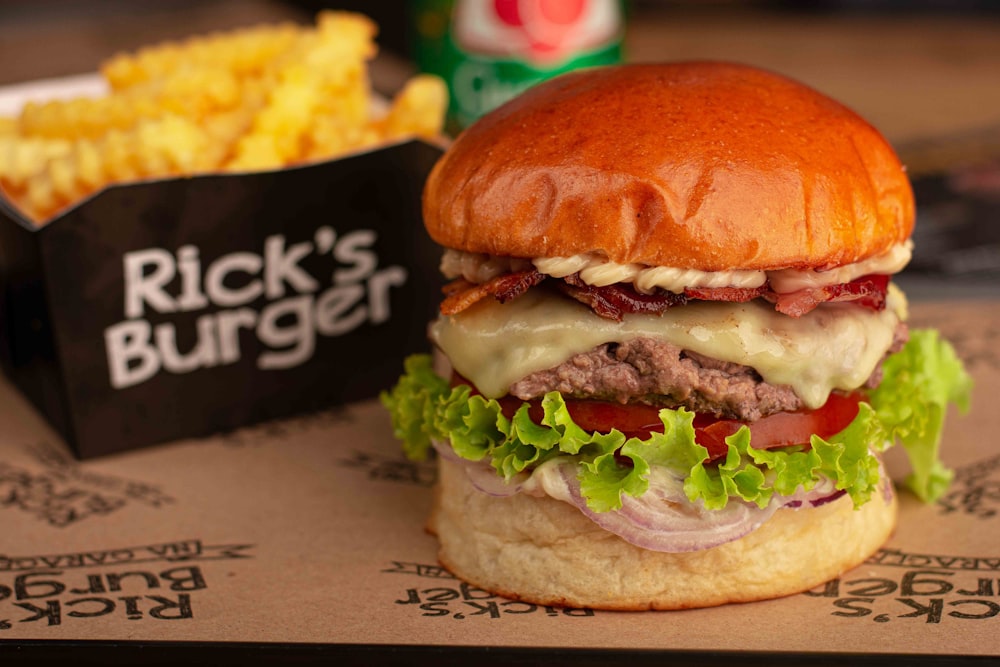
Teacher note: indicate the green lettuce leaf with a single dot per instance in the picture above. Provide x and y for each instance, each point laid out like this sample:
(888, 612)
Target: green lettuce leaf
(604, 480)
(847, 458)
(412, 404)
(908, 406)
(917, 385)
(470, 422)
(754, 475)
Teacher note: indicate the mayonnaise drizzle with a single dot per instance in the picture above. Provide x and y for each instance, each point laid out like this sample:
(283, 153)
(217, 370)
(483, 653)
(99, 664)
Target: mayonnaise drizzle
(597, 271)
(893, 261)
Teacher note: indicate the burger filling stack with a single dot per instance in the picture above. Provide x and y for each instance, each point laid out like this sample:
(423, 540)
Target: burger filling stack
(672, 350)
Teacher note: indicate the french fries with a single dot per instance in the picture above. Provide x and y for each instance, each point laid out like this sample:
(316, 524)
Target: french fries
(252, 99)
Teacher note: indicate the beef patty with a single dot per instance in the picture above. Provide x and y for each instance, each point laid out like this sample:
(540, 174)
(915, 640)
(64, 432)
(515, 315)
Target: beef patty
(649, 371)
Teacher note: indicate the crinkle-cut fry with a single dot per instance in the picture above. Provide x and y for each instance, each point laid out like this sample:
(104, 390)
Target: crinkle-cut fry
(330, 137)
(193, 92)
(418, 109)
(39, 201)
(200, 90)
(244, 52)
(344, 45)
(168, 146)
(256, 152)
(224, 131)
(258, 98)
(325, 74)
(81, 117)
(180, 143)
(277, 128)
(352, 34)
(349, 102)
(22, 157)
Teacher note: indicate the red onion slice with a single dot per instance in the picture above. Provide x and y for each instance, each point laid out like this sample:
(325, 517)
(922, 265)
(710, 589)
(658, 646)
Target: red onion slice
(887, 491)
(663, 519)
(482, 475)
(445, 451)
(811, 502)
(485, 478)
(824, 491)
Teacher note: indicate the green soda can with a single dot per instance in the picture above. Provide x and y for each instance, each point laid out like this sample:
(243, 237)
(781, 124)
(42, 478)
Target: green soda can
(489, 51)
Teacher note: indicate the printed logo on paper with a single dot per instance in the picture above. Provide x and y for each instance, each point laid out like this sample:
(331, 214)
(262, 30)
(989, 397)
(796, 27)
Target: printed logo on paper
(392, 468)
(925, 588)
(975, 490)
(152, 583)
(445, 596)
(58, 491)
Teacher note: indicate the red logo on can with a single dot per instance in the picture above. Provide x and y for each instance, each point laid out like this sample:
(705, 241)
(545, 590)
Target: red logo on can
(543, 32)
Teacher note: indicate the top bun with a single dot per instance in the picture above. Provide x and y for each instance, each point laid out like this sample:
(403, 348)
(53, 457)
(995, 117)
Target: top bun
(701, 165)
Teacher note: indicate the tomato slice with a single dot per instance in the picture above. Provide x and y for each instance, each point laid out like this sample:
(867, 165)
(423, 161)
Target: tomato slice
(638, 420)
(781, 429)
(634, 420)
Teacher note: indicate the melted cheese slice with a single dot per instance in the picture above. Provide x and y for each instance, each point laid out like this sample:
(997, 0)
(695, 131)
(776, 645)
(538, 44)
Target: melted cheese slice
(835, 346)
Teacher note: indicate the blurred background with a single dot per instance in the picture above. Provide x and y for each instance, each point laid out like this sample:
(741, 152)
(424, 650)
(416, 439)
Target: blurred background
(926, 73)
(915, 69)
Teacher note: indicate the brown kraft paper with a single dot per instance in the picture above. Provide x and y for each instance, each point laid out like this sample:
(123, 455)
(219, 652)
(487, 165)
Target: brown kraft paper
(310, 529)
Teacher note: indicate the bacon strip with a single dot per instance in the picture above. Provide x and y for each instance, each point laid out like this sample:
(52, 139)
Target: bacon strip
(868, 291)
(613, 301)
(730, 294)
(460, 294)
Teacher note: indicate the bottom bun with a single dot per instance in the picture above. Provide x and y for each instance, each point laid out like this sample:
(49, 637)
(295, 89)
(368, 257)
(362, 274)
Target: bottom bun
(545, 551)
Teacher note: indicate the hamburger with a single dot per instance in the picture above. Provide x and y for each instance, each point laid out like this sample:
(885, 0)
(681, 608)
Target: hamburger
(674, 349)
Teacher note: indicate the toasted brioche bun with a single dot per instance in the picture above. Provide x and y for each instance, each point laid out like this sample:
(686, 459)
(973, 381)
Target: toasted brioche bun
(547, 552)
(705, 166)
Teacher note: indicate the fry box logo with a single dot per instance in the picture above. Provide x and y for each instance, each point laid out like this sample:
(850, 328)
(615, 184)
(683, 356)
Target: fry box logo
(296, 306)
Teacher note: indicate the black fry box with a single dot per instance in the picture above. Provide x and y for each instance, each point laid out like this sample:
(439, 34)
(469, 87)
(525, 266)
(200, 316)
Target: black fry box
(179, 308)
